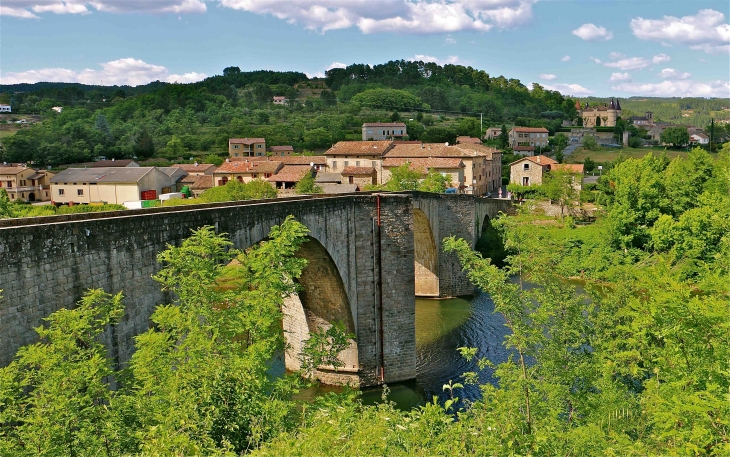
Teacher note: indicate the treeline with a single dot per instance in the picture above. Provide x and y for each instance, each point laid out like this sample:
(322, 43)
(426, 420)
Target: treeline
(178, 120)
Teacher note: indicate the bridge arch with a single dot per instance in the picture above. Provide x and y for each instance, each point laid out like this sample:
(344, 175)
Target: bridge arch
(321, 302)
(425, 256)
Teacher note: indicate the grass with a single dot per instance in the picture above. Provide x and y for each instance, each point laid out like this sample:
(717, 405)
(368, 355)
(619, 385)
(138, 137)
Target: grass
(7, 133)
(607, 155)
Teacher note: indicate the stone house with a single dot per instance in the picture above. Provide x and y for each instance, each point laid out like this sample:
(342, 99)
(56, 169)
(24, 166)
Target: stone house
(113, 185)
(201, 184)
(245, 171)
(383, 131)
(524, 150)
(528, 171)
(246, 147)
(357, 154)
(360, 176)
(451, 167)
(482, 164)
(289, 175)
(492, 133)
(26, 184)
(281, 151)
(528, 136)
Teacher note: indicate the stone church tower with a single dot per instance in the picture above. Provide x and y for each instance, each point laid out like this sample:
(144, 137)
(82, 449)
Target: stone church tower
(605, 115)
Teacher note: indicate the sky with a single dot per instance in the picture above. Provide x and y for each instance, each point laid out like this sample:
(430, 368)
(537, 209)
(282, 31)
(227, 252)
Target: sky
(604, 48)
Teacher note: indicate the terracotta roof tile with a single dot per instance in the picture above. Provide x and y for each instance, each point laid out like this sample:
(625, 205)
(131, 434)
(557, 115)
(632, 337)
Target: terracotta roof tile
(523, 148)
(195, 167)
(363, 148)
(246, 140)
(249, 166)
(281, 148)
(468, 139)
(290, 173)
(203, 182)
(530, 129)
(358, 171)
(540, 160)
(12, 170)
(286, 160)
(441, 150)
(424, 163)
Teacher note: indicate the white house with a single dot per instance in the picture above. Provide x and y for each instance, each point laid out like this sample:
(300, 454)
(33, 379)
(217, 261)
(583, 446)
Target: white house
(5, 109)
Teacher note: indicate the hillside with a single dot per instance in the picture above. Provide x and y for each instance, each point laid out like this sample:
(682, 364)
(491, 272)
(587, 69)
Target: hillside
(683, 111)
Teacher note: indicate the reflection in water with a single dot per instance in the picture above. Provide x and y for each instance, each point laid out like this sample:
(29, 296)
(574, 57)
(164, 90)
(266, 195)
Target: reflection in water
(442, 326)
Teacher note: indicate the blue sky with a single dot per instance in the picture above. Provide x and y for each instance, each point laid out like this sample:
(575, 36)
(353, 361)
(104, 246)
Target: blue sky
(580, 47)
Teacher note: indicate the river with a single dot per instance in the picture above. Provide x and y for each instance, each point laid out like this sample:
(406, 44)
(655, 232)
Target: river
(442, 326)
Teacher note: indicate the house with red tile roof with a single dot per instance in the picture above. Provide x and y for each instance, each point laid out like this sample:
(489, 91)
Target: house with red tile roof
(245, 170)
(357, 154)
(528, 136)
(246, 147)
(289, 175)
(531, 170)
(360, 176)
(451, 167)
(196, 169)
(281, 151)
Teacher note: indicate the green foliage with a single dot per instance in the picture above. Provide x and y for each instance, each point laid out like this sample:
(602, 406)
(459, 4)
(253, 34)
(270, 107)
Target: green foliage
(589, 165)
(403, 178)
(434, 182)
(558, 186)
(389, 99)
(589, 142)
(439, 134)
(214, 159)
(559, 142)
(54, 397)
(675, 136)
(234, 190)
(306, 185)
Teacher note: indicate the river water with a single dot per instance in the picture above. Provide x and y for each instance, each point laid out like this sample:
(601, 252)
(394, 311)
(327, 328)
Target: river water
(442, 326)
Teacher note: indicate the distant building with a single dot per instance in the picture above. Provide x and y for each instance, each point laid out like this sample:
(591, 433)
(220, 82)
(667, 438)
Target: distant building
(524, 150)
(383, 131)
(530, 171)
(699, 138)
(246, 147)
(5, 109)
(605, 115)
(24, 183)
(360, 176)
(281, 151)
(279, 100)
(450, 167)
(467, 140)
(114, 185)
(113, 163)
(646, 120)
(492, 133)
(57, 109)
(196, 169)
(245, 171)
(528, 136)
(289, 175)
(357, 154)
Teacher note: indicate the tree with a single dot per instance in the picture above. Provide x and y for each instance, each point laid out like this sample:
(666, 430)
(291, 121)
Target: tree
(234, 190)
(589, 165)
(434, 182)
(438, 134)
(5, 208)
(319, 138)
(213, 159)
(598, 121)
(503, 138)
(559, 142)
(231, 71)
(675, 136)
(590, 143)
(174, 148)
(403, 178)
(307, 185)
(558, 186)
(143, 147)
(395, 117)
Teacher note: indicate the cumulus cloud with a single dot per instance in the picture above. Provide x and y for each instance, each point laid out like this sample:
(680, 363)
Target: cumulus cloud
(565, 59)
(450, 40)
(671, 73)
(454, 60)
(548, 77)
(29, 9)
(678, 88)
(660, 58)
(129, 71)
(569, 89)
(402, 16)
(592, 32)
(706, 31)
(616, 77)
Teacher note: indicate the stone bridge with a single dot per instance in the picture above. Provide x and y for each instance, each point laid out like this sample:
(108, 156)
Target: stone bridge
(369, 256)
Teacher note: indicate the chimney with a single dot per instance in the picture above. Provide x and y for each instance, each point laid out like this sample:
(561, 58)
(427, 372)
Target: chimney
(113, 159)
(538, 159)
(195, 164)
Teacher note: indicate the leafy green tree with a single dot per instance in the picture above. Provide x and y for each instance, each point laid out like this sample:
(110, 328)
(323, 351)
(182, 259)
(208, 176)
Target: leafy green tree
(558, 186)
(213, 159)
(589, 142)
(307, 185)
(503, 137)
(319, 138)
(559, 142)
(234, 190)
(390, 99)
(55, 397)
(144, 146)
(174, 148)
(415, 129)
(438, 134)
(434, 182)
(675, 136)
(5, 207)
(403, 178)
(589, 165)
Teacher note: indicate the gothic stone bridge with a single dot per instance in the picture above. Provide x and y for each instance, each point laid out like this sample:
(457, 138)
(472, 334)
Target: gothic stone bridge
(369, 254)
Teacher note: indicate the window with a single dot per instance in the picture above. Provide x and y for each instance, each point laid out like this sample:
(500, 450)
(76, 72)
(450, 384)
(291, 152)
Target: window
(525, 181)
(224, 180)
(351, 179)
(239, 178)
(357, 163)
(259, 146)
(334, 165)
(267, 175)
(80, 192)
(60, 191)
(373, 163)
(10, 183)
(236, 146)
(526, 166)
(346, 163)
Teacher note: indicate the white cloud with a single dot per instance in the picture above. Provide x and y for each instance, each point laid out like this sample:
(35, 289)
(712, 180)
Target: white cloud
(27, 8)
(449, 40)
(565, 59)
(616, 55)
(681, 88)
(132, 72)
(548, 77)
(629, 63)
(671, 73)
(616, 77)
(591, 32)
(569, 89)
(660, 58)
(454, 60)
(706, 31)
(402, 16)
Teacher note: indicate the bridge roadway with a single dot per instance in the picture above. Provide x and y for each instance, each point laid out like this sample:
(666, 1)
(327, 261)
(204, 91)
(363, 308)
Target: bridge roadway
(369, 255)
